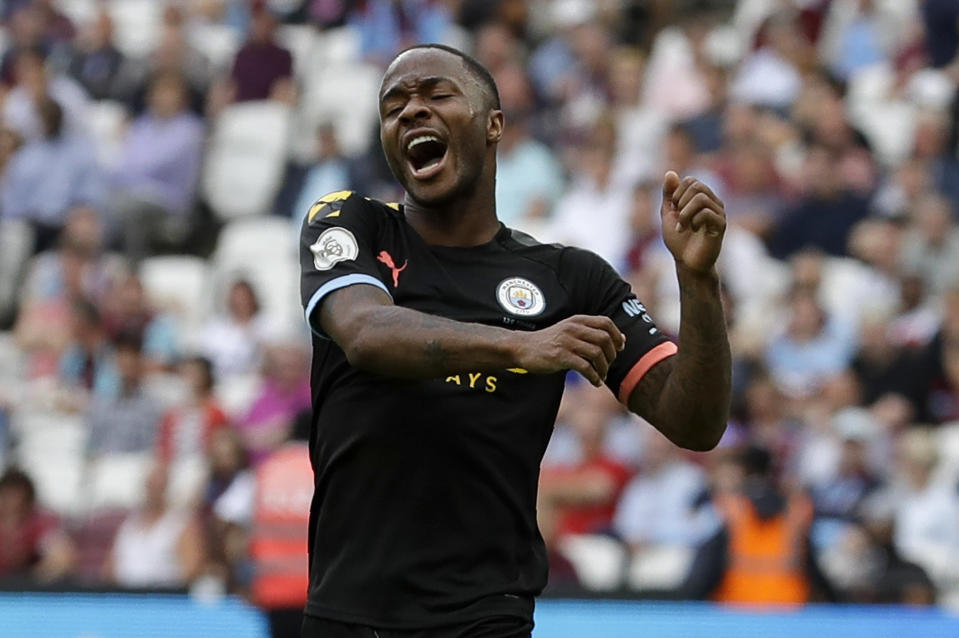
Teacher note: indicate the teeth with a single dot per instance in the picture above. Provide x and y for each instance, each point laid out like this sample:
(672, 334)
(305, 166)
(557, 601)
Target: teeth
(420, 140)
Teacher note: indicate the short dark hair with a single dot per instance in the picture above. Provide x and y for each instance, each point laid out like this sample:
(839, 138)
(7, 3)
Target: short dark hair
(474, 66)
(16, 479)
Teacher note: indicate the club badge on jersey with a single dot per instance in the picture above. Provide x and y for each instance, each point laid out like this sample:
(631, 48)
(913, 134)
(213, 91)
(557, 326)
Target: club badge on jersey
(333, 246)
(521, 297)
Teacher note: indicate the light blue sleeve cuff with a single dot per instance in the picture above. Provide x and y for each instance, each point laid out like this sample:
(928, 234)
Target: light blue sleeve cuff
(336, 284)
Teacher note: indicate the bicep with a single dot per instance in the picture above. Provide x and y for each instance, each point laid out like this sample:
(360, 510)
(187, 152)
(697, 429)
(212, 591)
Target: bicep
(345, 311)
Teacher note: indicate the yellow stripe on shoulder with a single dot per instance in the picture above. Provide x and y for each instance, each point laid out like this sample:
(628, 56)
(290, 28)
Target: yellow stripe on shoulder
(325, 201)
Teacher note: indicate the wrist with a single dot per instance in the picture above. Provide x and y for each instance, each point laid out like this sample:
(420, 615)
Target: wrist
(514, 348)
(685, 274)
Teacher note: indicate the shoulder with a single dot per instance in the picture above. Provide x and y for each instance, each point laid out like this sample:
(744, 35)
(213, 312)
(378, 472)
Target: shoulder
(347, 203)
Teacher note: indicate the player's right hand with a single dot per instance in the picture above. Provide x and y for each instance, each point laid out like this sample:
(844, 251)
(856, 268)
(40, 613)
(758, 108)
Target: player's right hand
(587, 344)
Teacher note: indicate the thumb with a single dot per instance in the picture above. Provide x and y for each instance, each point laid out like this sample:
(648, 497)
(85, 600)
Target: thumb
(670, 184)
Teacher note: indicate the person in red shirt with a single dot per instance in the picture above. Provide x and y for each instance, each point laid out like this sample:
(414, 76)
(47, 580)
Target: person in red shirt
(580, 498)
(33, 547)
(187, 429)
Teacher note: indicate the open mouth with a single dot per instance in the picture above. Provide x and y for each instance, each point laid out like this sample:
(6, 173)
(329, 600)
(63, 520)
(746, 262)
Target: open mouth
(425, 154)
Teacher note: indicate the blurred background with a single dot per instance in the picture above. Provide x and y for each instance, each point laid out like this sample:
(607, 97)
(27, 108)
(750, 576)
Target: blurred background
(158, 156)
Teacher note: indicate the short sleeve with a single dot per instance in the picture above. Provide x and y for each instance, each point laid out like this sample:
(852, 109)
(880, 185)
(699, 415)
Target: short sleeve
(336, 249)
(596, 289)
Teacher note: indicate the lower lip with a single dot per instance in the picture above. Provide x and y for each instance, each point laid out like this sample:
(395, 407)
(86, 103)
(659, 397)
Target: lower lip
(428, 172)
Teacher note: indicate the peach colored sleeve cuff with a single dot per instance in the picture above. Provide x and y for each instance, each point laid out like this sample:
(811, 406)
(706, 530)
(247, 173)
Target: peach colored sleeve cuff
(647, 361)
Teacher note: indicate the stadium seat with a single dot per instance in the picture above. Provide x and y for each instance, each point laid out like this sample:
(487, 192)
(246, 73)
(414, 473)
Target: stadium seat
(246, 158)
(168, 389)
(947, 471)
(16, 245)
(300, 39)
(335, 46)
(599, 561)
(93, 536)
(343, 94)
(180, 285)
(117, 480)
(50, 448)
(253, 240)
(218, 42)
(236, 393)
(659, 568)
(137, 25)
(107, 121)
(262, 250)
(78, 11)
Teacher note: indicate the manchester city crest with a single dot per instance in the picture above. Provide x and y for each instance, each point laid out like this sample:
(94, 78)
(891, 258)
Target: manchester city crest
(521, 297)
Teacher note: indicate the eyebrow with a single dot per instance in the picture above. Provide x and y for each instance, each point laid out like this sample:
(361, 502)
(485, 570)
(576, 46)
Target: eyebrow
(427, 82)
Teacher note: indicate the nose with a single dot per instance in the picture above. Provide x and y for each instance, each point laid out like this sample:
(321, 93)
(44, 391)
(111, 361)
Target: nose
(415, 109)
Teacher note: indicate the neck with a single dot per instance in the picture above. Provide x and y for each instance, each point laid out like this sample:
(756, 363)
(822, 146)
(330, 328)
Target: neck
(466, 220)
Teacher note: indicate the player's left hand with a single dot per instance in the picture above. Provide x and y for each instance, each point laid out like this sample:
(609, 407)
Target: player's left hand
(694, 221)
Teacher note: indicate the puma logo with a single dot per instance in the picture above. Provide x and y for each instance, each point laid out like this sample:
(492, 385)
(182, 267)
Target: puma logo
(386, 258)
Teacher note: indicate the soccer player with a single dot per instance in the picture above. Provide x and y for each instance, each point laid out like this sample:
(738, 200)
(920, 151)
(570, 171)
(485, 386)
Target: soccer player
(441, 344)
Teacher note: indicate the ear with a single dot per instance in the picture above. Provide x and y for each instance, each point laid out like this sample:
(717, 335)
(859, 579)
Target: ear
(494, 126)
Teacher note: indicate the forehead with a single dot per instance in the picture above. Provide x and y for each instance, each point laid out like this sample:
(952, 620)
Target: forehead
(413, 67)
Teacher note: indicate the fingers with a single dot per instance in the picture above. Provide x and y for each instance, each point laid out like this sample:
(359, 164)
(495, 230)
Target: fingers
(700, 211)
(689, 188)
(713, 222)
(670, 184)
(596, 340)
(599, 322)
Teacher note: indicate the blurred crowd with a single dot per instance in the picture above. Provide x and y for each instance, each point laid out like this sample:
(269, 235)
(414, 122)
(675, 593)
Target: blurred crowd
(157, 157)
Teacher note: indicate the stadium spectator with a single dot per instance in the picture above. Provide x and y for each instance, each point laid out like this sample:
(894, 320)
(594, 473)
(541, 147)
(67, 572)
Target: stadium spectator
(329, 171)
(283, 393)
(158, 545)
(227, 509)
(49, 175)
(87, 366)
(931, 246)
(157, 172)
(34, 548)
(37, 85)
(93, 60)
(580, 497)
(279, 533)
(528, 177)
(188, 429)
(387, 26)
(926, 510)
(125, 419)
(760, 555)
(173, 53)
(234, 340)
(812, 348)
(659, 506)
(80, 248)
(129, 311)
(262, 68)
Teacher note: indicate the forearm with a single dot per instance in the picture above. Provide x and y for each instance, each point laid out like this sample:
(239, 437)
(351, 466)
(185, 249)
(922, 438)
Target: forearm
(400, 342)
(693, 400)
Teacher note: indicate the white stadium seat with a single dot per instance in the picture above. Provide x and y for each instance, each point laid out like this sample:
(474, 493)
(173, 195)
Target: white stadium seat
(107, 121)
(598, 560)
(263, 251)
(343, 94)
(246, 158)
(218, 42)
(137, 25)
(180, 285)
(117, 480)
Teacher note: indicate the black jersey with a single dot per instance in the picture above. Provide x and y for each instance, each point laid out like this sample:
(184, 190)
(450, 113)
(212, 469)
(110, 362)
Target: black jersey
(424, 512)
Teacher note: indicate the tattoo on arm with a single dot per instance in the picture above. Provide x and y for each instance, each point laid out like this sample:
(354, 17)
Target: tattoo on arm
(688, 397)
